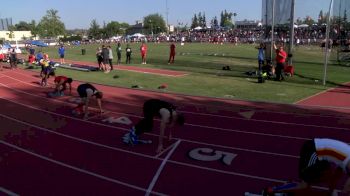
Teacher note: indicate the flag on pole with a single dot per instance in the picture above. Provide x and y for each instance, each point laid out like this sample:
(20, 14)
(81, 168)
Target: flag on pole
(282, 11)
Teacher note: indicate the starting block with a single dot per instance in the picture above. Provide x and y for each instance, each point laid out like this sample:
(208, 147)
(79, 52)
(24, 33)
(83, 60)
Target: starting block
(75, 100)
(78, 111)
(56, 94)
(121, 120)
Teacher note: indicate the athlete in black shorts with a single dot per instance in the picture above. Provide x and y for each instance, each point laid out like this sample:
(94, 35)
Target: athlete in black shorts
(155, 108)
(86, 91)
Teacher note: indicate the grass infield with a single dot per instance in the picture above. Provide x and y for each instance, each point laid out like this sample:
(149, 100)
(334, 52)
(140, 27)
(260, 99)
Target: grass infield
(204, 62)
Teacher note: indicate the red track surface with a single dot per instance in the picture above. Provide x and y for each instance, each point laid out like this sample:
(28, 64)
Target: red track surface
(46, 151)
(336, 97)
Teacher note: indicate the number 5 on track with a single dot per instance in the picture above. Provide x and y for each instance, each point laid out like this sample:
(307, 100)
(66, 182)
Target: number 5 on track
(208, 154)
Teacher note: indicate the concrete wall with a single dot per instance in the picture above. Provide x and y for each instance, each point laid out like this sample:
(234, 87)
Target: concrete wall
(18, 35)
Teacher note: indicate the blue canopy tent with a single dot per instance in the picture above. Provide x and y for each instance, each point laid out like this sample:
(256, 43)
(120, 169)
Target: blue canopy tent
(6, 46)
(37, 43)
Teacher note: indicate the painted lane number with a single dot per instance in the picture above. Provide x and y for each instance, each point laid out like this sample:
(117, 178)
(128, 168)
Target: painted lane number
(208, 154)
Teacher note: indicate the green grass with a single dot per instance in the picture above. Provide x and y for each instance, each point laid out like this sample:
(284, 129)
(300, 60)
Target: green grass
(204, 62)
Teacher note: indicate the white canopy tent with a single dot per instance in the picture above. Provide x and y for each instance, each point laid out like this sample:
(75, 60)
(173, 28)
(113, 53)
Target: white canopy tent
(303, 26)
(138, 35)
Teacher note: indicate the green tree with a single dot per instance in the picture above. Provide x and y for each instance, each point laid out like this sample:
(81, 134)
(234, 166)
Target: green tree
(154, 23)
(94, 30)
(309, 21)
(115, 28)
(200, 19)
(203, 21)
(123, 27)
(214, 22)
(345, 17)
(50, 25)
(34, 28)
(23, 26)
(195, 22)
(322, 18)
(299, 21)
(226, 19)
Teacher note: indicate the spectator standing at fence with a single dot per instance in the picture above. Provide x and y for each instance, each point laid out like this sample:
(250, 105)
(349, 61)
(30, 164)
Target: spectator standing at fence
(119, 53)
(61, 52)
(110, 57)
(105, 56)
(172, 53)
(99, 58)
(128, 54)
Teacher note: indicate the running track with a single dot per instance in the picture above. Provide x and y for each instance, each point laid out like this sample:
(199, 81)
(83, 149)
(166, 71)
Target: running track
(46, 151)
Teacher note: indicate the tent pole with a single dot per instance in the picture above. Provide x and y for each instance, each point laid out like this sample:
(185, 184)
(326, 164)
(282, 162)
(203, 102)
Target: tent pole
(326, 54)
(291, 33)
(272, 28)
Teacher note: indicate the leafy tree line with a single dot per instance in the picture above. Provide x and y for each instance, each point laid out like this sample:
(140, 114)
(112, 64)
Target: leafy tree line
(341, 18)
(108, 30)
(225, 20)
(199, 20)
(51, 26)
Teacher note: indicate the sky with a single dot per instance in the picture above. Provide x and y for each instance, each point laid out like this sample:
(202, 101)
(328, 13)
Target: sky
(80, 13)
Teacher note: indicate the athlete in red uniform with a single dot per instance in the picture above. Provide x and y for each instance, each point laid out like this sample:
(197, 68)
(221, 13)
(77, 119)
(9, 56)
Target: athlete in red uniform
(172, 53)
(143, 50)
(61, 84)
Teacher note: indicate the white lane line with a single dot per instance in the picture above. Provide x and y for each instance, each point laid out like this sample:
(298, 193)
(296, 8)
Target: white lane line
(194, 104)
(77, 139)
(191, 141)
(149, 72)
(165, 150)
(255, 120)
(175, 162)
(160, 169)
(8, 192)
(239, 174)
(155, 135)
(240, 149)
(201, 126)
(76, 168)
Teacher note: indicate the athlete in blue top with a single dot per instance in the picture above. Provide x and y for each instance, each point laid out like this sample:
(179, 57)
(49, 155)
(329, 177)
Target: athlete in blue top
(61, 52)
